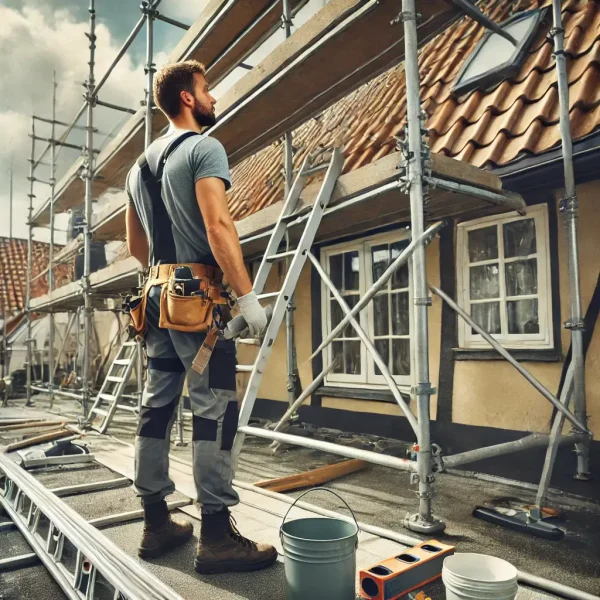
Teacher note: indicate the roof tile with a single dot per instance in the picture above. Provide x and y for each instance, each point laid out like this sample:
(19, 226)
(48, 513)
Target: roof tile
(488, 128)
(13, 270)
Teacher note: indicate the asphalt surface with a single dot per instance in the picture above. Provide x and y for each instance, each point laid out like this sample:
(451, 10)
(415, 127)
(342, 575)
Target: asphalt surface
(379, 496)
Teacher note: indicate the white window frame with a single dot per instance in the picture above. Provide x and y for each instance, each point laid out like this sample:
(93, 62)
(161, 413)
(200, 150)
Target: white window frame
(367, 379)
(538, 341)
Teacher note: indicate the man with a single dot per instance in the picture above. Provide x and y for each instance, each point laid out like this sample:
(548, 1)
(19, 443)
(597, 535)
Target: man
(194, 227)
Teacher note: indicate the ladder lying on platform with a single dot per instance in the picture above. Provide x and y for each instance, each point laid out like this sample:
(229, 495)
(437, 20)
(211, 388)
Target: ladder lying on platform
(84, 563)
(297, 258)
(109, 399)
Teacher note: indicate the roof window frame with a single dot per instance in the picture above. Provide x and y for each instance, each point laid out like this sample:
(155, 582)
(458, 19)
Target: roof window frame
(507, 69)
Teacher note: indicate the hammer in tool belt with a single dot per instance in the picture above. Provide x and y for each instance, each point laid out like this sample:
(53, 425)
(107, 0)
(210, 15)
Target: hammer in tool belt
(234, 329)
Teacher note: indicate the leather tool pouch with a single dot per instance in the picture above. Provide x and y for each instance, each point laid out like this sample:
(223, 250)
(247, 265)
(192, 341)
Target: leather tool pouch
(185, 313)
(135, 307)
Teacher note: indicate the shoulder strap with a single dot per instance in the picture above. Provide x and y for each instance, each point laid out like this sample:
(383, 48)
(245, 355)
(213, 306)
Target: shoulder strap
(163, 243)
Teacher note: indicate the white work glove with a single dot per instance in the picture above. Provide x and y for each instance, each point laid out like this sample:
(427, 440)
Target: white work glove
(254, 315)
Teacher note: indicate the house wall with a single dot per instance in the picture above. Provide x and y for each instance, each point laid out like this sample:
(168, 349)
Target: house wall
(274, 381)
(493, 393)
(485, 393)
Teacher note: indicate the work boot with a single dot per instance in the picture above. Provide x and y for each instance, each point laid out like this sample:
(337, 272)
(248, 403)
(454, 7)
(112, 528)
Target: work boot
(222, 548)
(161, 533)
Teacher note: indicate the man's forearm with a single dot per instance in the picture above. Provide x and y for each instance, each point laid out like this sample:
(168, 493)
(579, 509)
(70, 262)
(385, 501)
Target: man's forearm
(225, 245)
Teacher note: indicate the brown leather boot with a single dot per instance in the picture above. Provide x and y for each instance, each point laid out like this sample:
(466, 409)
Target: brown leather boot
(223, 549)
(161, 533)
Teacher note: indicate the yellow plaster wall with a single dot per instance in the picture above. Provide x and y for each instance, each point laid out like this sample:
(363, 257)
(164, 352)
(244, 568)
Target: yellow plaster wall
(494, 394)
(486, 393)
(274, 381)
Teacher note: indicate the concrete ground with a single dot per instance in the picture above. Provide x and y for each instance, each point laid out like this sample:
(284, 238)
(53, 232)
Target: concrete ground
(378, 496)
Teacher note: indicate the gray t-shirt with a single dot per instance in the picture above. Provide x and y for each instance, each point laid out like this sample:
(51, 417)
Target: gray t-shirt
(197, 157)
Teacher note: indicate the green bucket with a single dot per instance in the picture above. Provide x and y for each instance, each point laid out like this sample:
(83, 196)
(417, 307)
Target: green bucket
(320, 556)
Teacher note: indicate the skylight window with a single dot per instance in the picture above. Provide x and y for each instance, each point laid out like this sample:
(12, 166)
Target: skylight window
(495, 58)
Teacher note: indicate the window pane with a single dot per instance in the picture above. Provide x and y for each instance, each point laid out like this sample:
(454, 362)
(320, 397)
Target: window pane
(497, 50)
(483, 244)
(383, 347)
(487, 316)
(400, 313)
(337, 356)
(523, 316)
(351, 271)
(484, 282)
(335, 270)
(336, 315)
(380, 315)
(521, 277)
(352, 358)
(519, 238)
(380, 260)
(351, 301)
(401, 357)
(400, 277)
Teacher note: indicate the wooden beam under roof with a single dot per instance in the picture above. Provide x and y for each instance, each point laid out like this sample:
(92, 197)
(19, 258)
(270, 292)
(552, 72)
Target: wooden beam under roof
(225, 32)
(391, 206)
(345, 44)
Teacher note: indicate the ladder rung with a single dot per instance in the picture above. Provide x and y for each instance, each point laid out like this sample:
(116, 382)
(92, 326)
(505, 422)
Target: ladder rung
(126, 407)
(100, 411)
(281, 255)
(115, 379)
(122, 361)
(249, 341)
(245, 368)
(131, 343)
(267, 296)
(108, 397)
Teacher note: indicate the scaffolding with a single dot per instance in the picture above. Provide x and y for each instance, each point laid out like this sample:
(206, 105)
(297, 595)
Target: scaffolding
(415, 177)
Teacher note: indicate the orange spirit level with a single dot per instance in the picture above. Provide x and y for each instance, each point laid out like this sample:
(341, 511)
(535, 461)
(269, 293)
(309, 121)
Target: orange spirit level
(397, 576)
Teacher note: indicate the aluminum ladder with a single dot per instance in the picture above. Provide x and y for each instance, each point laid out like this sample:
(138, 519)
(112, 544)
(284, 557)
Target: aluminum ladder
(109, 398)
(297, 258)
(84, 563)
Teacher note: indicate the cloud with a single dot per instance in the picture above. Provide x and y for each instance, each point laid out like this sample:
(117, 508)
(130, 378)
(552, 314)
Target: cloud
(33, 44)
(187, 11)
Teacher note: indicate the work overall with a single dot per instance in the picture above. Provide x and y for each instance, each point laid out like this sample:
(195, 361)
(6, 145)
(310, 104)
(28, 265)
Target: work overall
(212, 396)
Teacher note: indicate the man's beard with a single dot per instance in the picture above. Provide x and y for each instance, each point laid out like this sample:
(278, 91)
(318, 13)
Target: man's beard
(203, 118)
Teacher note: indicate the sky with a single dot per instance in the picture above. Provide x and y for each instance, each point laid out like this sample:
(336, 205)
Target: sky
(39, 37)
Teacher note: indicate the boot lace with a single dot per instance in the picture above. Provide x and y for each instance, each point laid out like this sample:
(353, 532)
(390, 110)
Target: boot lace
(237, 536)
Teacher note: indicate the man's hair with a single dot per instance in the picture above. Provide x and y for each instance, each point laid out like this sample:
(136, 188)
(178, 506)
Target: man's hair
(173, 79)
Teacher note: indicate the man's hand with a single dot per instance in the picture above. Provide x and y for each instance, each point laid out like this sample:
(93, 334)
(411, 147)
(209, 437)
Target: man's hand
(254, 314)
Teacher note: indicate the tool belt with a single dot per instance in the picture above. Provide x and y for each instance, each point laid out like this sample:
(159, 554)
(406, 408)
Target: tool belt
(196, 304)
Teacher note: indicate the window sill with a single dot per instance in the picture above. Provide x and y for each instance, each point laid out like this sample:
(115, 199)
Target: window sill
(382, 395)
(523, 355)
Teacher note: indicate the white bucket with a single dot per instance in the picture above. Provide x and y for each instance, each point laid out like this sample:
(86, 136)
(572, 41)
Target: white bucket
(479, 577)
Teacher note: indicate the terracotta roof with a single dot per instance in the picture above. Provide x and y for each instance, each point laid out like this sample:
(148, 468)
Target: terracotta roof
(13, 269)
(515, 119)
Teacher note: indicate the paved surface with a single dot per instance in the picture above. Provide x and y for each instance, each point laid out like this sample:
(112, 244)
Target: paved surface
(378, 496)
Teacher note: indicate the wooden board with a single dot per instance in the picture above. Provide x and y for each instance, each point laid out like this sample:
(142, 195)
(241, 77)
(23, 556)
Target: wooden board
(39, 439)
(329, 56)
(117, 277)
(314, 477)
(344, 45)
(210, 40)
(30, 425)
(111, 223)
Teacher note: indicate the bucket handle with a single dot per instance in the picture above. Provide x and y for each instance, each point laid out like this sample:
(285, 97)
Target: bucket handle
(318, 489)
